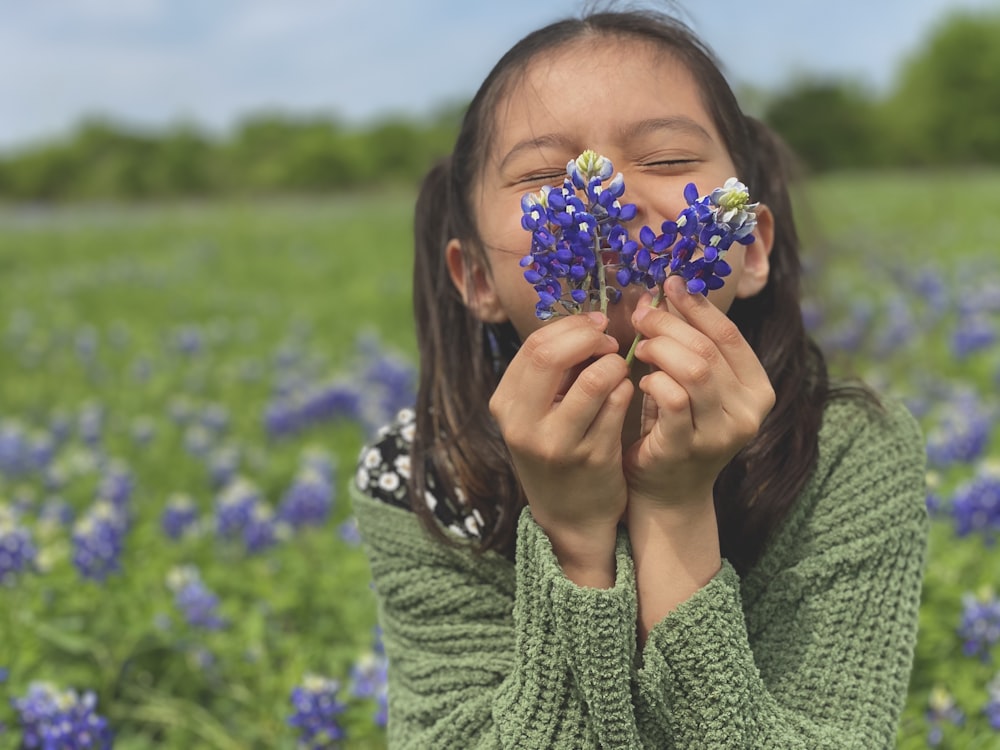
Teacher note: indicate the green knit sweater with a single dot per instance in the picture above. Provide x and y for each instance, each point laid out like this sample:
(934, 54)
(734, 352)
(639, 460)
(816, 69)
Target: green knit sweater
(811, 649)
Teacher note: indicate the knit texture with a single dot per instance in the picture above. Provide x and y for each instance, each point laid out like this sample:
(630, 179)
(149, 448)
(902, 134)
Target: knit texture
(811, 649)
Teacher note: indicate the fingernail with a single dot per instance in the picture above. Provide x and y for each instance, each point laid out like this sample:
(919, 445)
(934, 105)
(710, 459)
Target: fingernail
(598, 319)
(641, 311)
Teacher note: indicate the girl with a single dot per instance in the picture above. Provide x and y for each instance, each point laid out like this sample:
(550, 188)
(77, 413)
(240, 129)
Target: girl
(718, 550)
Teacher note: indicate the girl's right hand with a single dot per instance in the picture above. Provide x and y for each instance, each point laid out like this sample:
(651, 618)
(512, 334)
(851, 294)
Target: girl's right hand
(561, 407)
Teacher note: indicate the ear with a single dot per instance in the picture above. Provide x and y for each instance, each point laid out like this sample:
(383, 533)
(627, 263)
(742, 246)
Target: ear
(757, 256)
(475, 284)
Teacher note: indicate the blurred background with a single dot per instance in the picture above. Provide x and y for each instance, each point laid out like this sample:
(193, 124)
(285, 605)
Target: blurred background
(152, 98)
(205, 313)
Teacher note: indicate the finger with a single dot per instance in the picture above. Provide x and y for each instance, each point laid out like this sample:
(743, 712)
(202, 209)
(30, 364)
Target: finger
(674, 423)
(705, 380)
(705, 317)
(589, 395)
(537, 372)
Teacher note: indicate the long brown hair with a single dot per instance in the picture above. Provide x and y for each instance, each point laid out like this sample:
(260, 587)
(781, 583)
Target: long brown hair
(463, 359)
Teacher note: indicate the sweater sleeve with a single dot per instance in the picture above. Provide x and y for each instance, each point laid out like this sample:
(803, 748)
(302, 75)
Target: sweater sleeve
(481, 658)
(814, 649)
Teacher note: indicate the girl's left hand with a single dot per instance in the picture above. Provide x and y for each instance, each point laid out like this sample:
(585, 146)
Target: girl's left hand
(705, 398)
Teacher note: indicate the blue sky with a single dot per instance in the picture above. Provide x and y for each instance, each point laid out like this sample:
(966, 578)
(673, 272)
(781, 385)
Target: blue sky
(153, 62)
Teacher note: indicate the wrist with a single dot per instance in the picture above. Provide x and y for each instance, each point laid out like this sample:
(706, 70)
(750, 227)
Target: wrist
(586, 554)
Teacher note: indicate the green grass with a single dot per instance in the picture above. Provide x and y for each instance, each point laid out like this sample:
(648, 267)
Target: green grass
(302, 278)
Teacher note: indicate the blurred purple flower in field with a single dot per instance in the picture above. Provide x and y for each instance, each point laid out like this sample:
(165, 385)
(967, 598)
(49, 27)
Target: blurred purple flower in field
(13, 448)
(56, 511)
(980, 625)
(263, 529)
(973, 333)
(316, 712)
(223, 464)
(234, 507)
(179, 516)
(349, 532)
(962, 434)
(98, 540)
(54, 719)
(195, 601)
(308, 501)
(992, 707)
(941, 710)
(116, 486)
(897, 327)
(975, 505)
(370, 679)
(17, 547)
(90, 423)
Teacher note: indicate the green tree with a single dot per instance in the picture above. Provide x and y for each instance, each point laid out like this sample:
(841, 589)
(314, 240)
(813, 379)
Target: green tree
(946, 109)
(829, 124)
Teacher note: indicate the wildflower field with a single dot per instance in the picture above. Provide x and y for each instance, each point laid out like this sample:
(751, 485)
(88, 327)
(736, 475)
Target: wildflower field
(184, 390)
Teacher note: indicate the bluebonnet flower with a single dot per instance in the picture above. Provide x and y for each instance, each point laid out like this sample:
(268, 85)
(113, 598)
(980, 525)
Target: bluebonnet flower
(223, 464)
(571, 227)
(319, 460)
(574, 229)
(215, 417)
(972, 333)
(262, 530)
(193, 598)
(56, 511)
(317, 710)
(13, 448)
(234, 507)
(308, 501)
(349, 532)
(90, 423)
(941, 709)
(17, 548)
(370, 679)
(963, 433)
(56, 719)
(992, 707)
(179, 516)
(98, 539)
(116, 486)
(975, 506)
(980, 625)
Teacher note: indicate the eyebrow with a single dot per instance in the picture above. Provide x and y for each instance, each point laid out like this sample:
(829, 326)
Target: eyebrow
(550, 140)
(679, 123)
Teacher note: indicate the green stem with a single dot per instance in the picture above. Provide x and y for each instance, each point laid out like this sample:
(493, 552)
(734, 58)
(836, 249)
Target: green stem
(602, 277)
(654, 303)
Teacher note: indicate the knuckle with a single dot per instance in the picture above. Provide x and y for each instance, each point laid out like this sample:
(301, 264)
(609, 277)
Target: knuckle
(540, 352)
(591, 382)
(699, 372)
(728, 335)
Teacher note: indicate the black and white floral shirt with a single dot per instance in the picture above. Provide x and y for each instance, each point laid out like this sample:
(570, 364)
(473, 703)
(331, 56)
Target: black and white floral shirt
(384, 470)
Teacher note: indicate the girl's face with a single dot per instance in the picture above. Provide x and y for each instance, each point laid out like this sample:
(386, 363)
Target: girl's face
(629, 102)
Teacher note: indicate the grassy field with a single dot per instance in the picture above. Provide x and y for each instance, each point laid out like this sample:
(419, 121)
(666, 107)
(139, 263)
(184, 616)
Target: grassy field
(149, 352)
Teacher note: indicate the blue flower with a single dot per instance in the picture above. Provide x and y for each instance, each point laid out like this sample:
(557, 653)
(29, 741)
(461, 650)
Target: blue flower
(308, 501)
(98, 540)
(17, 548)
(316, 712)
(263, 529)
(56, 719)
(992, 707)
(195, 601)
(975, 506)
(576, 227)
(941, 709)
(179, 516)
(980, 625)
(234, 507)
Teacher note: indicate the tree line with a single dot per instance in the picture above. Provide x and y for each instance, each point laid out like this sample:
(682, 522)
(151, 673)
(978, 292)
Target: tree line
(943, 110)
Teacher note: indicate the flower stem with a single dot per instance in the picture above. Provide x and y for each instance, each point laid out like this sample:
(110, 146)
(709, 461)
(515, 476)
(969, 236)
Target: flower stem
(654, 303)
(602, 276)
